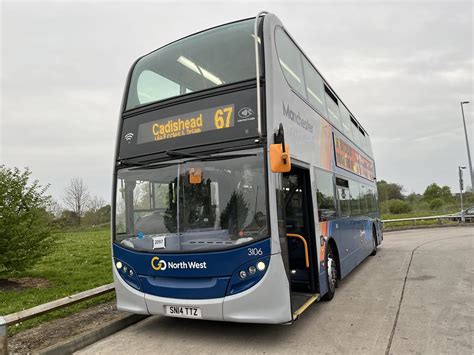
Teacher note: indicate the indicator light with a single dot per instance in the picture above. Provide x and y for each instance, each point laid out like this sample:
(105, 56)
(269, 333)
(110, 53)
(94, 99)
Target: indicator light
(125, 268)
(130, 273)
(252, 270)
(261, 266)
(118, 265)
(243, 274)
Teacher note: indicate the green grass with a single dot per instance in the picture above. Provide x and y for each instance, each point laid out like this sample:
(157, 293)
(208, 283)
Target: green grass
(80, 261)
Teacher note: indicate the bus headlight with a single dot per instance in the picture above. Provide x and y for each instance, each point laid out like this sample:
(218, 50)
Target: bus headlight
(127, 274)
(247, 275)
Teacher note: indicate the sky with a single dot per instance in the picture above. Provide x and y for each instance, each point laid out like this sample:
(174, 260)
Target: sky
(402, 67)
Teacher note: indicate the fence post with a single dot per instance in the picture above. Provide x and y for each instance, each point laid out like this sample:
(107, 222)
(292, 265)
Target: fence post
(3, 336)
(414, 222)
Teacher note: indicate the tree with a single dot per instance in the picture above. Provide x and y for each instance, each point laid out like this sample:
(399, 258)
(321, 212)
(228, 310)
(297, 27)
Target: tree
(398, 206)
(98, 212)
(434, 191)
(24, 221)
(413, 198)
(389, 191)
(76, 198)
(55, 208)
(436, 203)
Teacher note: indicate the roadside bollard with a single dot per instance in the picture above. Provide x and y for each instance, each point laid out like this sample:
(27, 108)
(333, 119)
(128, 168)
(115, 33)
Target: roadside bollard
(3, 336)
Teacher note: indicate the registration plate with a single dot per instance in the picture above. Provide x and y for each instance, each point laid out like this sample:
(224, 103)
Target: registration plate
(180, 311)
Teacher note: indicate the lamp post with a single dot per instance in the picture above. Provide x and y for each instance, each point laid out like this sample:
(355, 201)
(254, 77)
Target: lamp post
(461, 187)
(467, 144)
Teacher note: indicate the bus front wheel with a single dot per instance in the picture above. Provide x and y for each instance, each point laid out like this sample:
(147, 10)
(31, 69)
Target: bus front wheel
(331, 274)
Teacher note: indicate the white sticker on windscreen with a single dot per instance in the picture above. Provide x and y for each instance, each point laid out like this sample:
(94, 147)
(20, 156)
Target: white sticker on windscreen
(159, 242)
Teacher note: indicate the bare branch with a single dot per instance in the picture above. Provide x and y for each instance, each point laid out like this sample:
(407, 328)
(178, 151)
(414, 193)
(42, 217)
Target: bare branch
(76, 197)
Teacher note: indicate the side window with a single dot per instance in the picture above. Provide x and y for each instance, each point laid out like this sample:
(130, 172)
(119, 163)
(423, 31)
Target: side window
(325, 195)
(355, 131)
(362, 140)
(355, 202)
(290, 61)
(346, 122)
(370, 198)
(153, 87)
(314, 87)
(343, 197)
(369, 145)
(362, 198)
(333, 109)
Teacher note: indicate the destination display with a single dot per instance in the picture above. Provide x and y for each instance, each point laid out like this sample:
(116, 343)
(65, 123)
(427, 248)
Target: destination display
(196, 122)
(350, 159)
(218, 119)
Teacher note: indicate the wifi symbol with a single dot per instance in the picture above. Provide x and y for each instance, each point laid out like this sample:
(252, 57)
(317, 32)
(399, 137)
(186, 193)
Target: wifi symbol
(128, 137)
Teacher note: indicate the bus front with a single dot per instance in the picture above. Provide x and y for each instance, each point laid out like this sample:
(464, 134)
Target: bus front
(191, 222)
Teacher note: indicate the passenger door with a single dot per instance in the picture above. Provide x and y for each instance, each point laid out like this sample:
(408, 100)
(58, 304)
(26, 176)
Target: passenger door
(300, 229)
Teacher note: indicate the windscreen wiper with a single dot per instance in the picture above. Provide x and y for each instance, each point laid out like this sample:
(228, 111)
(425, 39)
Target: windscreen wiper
(130, 162)
(225, 157)
(174, 153)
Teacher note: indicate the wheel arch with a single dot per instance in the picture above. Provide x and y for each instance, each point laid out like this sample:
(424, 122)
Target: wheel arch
(332, 242)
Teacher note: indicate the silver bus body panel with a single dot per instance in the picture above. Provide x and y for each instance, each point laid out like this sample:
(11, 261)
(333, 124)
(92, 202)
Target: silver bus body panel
(266, 302)
(128, 298)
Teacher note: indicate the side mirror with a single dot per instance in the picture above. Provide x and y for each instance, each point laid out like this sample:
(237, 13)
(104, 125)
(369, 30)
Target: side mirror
(195, 176)
(280, 161)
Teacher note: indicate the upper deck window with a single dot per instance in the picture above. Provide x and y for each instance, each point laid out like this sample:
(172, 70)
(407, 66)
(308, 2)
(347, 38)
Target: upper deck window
(333, 108)
(346, 121)
(290, 61)
(314, 87)
(219, 56)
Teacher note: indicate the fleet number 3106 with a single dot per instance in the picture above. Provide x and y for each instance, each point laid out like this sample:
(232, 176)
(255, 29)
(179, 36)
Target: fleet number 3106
(255, 251)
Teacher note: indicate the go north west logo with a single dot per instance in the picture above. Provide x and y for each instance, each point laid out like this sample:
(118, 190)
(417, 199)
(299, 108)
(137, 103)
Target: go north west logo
(162, 265)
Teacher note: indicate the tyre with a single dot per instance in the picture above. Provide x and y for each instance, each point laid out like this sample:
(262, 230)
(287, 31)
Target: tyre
(374, 243)
(331, 274)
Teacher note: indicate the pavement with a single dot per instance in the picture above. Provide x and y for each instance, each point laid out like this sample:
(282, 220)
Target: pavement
(415, 296)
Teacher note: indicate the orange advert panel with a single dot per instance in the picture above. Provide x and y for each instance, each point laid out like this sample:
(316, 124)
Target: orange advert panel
(350, 159)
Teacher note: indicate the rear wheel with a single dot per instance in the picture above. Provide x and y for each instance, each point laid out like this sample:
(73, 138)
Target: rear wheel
(374, 243)
(331, 263)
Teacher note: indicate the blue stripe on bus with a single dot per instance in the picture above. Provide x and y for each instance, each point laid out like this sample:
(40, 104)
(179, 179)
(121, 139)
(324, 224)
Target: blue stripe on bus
(195, 275)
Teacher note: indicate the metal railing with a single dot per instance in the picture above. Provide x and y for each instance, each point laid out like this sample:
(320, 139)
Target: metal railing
(415, 219)
(37, 311)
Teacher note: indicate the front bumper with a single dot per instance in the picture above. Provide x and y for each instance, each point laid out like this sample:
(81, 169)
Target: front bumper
(268, 301)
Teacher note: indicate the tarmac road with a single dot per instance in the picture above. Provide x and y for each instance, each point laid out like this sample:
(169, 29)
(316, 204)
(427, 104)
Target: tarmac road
(415, 296)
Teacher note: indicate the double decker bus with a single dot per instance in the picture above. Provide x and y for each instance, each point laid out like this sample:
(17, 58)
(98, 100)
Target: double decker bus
(244, 189)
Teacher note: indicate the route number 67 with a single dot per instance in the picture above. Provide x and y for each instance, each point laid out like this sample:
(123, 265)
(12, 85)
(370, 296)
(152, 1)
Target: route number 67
(255, 251)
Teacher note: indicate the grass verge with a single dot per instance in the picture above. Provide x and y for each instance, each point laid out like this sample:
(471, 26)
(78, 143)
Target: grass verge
(80, 261)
